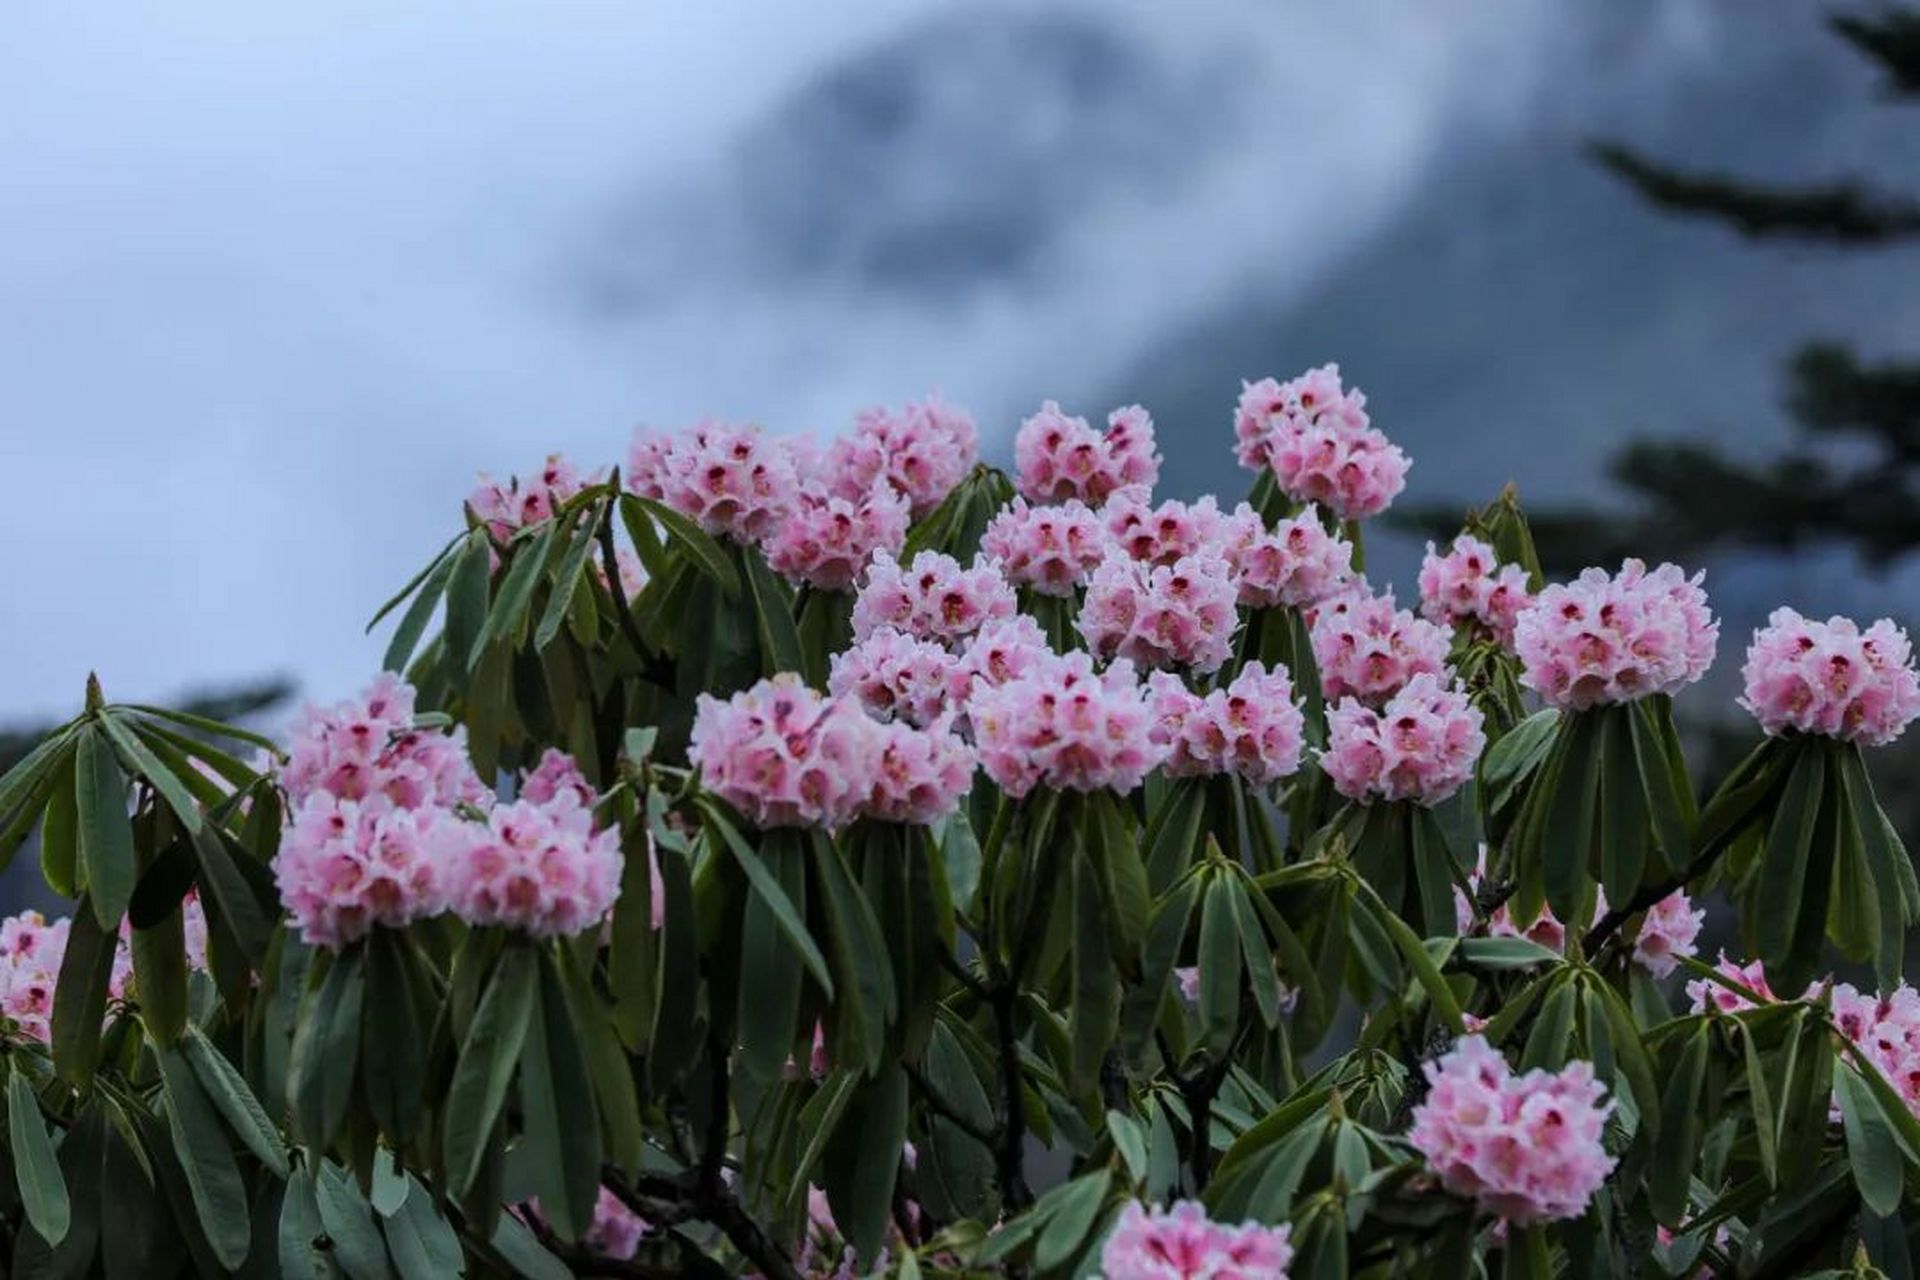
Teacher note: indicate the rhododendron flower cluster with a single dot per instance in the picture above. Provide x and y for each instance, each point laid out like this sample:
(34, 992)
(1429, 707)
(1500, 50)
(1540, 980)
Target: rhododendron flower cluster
(1173, 530)
(1668, 931)
(1420, 746)
(1468, 586)
(919, 775)
(526, 500)
(734, 481)
(932, 598)
(897, 676)
(1319, 443)
(1831, 678)
(536, 866)
(1001, 651)
(1052, 550)
(1060, 457)
(1296, 563)
(1181, 1243)
(1178, 615)
(785, 755)
(922, 451)
(1885, 1030)
(1615, 638)
(31, 949)
(1367, 649)
(367, 747)
(827, 540)
(616, 1230)
(1251, 727)
(346, 865)
(1703, 992)
(1527, 1148)
(1064, 726)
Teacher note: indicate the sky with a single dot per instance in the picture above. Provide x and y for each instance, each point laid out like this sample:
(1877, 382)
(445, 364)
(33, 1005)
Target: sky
(276, 281)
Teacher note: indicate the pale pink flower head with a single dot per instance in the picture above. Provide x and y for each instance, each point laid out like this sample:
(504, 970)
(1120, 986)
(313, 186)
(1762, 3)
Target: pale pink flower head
(1616, 638)
(1297, 563)
(1831, 678)
(1527, 1148)
(1252, 727)
(1269, 408)
(1368, 650)
(537, 869)
(1181, 1243)
(827, 540)
(1058, 457)
(556, 780)
(1000, 651)
(1885, 1030)
(1066, 727)
(920, 775)
(734, 481)
(896, 676)
(1667, 932)
(1469, 587)
(344, 866)
(31, 951)
(1169, 532)
(1544, 930)
(932, 598)
(506, 508)
(1420, 746)
(1178, 615)
(616, 1230)
(785, 755)
(367, 747)
(1050, 550)
(922, 451)
(1702, 993)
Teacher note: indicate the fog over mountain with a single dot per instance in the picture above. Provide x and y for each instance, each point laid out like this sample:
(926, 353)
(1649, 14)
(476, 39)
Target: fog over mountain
(273, 285)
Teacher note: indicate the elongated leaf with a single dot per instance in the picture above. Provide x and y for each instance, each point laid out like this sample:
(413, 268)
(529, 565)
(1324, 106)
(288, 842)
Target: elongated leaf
(487, 1058)
(227, 1089)
(573, 567)
(515, 596)
(431, 1250)
(413, 623)
(1785, 868)
(355, 1237)
(160, 976)
(80, 998)
(106, 833)
(200, 1141)
(1219, 958)
(560, 1129)
(1506, 953)
(523, 1252)
(325, 1043)
(1257, 953)
(1878, 1169)
(393, 1034)
(35, 1167)
(1624, 821)
(700, 547)
(863, 975)
(863, 1161)
(1666, 807)
(1570, 814)
(1551, 1038)
(1680, 1126)
(779, 636)
(134, 753)
(1446, 1006)
(1071, 1221)
(301, 1232)
(1095, 1016)
(226, 880)
(770, 891)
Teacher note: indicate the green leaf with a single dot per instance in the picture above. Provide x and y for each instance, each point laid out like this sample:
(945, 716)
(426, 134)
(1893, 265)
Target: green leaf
(423, 1246)
(486, 1063)
(779, 636)
(1445, 1005)
(515, 597)
(560, 1130)
(863, 975)
(1784, 870)
(160, 976)
(1760, 1102)
(522, 1251)
(863, 1161)
(1072, 1218)
(1550, 1039)
(80, 998)
(1666, 808)
(60, 835)
(1680, 1127)
(106, 833)
(768, 887)
(325, 1051)
(357, 1244)
(393, 1031)
(566, 582)
(706, 554)
(200, 1141)
(413, 623)
(1433, 875)
(35, 1167)
(1130, 1141)
(1095, 1015)
(1219, 958)
(1173, 832)
(1624, 821)
(233, 893)
(467, 595)
(1569, 833)
(147, 766)
(302, 1234)
(1872, 1150)
(208, 727)
(1257, 952)
(1506, 953)
(227, 1089)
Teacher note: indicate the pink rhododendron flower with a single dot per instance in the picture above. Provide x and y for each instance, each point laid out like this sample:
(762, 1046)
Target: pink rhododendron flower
(895, 676)
(933, 598)
(920, 775)
(1470, 587)
(785, 755)
(1169, 532)
(922, 451)
(526, 500)
(826, 541)
(1831, 678)
(31, 950)
(1252, 727)
(1527, 1148)
(1000, 651)
(615, 1232)
(1884, 1030)
(1604, 639)
(1368, 650)
(1181, 1243)
(367, 747)
(538, 869)
(1319, 443)
(1178, 615)
(1063, 726)
(734, 481)
(1049, 549)
(1296, 563)
(1059, 457)
(1421, 745)
(1667, 932)
(1701, 992)
(346, 865)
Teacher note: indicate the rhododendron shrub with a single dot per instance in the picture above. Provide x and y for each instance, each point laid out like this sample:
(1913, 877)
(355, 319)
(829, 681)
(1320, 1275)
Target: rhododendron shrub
(788, 858)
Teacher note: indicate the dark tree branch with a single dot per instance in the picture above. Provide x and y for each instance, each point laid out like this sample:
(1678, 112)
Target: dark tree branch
(1010, 1155)
(1892, 39)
